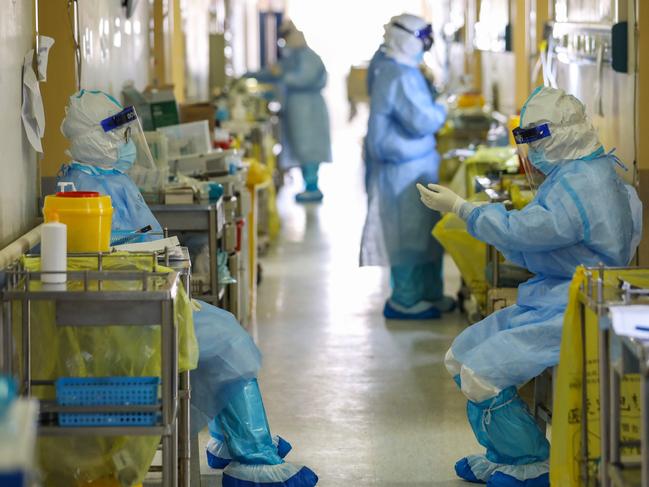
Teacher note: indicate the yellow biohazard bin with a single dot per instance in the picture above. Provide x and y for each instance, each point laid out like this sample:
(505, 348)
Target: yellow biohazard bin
(88, 216)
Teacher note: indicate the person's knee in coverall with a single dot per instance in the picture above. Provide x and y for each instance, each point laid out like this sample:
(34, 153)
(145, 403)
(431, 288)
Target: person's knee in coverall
(582, 214)
(224, 386)
(306, 140)
(399, 152)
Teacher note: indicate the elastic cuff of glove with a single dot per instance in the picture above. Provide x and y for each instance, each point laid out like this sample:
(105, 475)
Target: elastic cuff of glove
(465, 210)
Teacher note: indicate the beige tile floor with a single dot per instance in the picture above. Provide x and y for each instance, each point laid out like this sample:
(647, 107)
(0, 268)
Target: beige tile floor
(364, 401)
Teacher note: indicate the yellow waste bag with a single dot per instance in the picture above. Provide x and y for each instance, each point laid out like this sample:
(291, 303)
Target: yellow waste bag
(99, 352)
(469, 254)
(566, 459)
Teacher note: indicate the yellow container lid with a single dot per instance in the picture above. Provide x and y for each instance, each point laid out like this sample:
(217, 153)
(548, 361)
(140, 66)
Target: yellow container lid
(78, 201)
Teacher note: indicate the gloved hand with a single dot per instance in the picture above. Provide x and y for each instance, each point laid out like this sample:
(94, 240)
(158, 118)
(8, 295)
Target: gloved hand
(440, 198)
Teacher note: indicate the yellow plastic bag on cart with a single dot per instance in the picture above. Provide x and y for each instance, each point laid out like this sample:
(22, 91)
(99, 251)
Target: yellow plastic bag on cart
(566, 460)
(61, 351)
(469, 254)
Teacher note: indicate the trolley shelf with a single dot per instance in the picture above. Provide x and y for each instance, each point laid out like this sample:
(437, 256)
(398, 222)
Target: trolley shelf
(97, 298)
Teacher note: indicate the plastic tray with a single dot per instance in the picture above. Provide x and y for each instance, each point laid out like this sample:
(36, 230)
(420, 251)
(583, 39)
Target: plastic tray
(107, 391)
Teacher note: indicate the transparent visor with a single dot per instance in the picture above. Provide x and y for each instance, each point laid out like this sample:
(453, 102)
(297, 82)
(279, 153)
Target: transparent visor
(534, 177)
(523, 137)
(144, 172)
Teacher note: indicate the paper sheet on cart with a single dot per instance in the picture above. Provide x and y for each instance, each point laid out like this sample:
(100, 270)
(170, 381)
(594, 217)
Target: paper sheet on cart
(631, 321)
(170, 243)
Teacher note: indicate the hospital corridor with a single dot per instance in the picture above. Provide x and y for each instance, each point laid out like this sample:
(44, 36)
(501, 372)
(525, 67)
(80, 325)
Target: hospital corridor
(370, 391)
(324, 243)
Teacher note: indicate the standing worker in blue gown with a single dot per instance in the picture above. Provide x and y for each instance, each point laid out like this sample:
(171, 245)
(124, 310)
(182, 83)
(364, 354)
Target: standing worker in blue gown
(306, 139)
(582, 214)
(107, 147)
(399, 152)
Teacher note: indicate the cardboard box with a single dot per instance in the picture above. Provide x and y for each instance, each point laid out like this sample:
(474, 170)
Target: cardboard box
(195, 112)
(357, 84)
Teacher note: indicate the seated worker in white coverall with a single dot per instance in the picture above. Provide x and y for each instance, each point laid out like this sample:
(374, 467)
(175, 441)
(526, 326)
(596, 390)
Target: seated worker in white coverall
(582, 214)
(105, 143)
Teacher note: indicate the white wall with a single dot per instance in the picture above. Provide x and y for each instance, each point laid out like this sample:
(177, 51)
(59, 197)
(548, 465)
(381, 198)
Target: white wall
(499, 80)
(196, 21)
(114, 49)
(614, 116)
(18, 166)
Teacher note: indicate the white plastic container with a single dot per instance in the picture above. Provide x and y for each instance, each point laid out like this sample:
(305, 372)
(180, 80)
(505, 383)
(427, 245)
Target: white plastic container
(54, 252)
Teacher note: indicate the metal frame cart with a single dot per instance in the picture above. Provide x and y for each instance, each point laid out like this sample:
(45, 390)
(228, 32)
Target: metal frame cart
(632, 357)
(237, 204)
(498, 296)
(207, 218)
(93, 305)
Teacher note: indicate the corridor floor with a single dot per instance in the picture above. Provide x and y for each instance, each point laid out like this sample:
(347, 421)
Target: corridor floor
(364, 401)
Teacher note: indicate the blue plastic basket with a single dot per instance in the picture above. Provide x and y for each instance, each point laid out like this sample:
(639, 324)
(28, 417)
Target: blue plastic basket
(107, 391)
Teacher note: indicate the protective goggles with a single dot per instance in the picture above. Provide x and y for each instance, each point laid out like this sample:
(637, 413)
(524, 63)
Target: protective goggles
(532, 134)
(425, 34)
(118, 120)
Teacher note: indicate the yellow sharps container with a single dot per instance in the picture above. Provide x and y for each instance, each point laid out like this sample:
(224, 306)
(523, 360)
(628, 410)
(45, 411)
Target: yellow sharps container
(88, 216)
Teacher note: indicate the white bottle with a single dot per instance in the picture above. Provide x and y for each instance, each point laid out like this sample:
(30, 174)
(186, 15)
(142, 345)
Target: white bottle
(54, 252)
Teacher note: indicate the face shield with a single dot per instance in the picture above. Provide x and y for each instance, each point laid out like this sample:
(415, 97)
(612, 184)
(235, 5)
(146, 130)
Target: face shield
(133, 155)
(523, 137)
(425, 34)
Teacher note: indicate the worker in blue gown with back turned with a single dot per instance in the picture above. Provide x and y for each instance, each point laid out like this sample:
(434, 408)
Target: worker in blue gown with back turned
(107, 148)
(399, 152)
(306, 139)
(582, 214)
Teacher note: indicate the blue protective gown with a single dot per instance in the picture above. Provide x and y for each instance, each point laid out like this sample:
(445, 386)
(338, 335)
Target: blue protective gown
(375, 62)
(306, 134)
(400, 148)
(566, 225)
(583, 214)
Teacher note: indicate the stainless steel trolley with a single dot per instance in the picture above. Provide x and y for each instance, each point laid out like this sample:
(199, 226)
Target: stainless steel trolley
(95, 304)
(618, 356)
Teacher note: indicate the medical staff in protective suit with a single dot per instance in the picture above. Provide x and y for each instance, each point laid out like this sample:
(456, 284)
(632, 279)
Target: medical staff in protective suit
(399, 152)
(582, 214)
(305, 119)
(106, 146)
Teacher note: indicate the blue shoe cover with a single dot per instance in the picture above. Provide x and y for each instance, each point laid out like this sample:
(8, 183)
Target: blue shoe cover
(476, 469)
(463, 470)
(218, 454)
(283, 446)
(391, 313)
(529, 475)
(309, 196)
(282, 475)
(500, 479)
